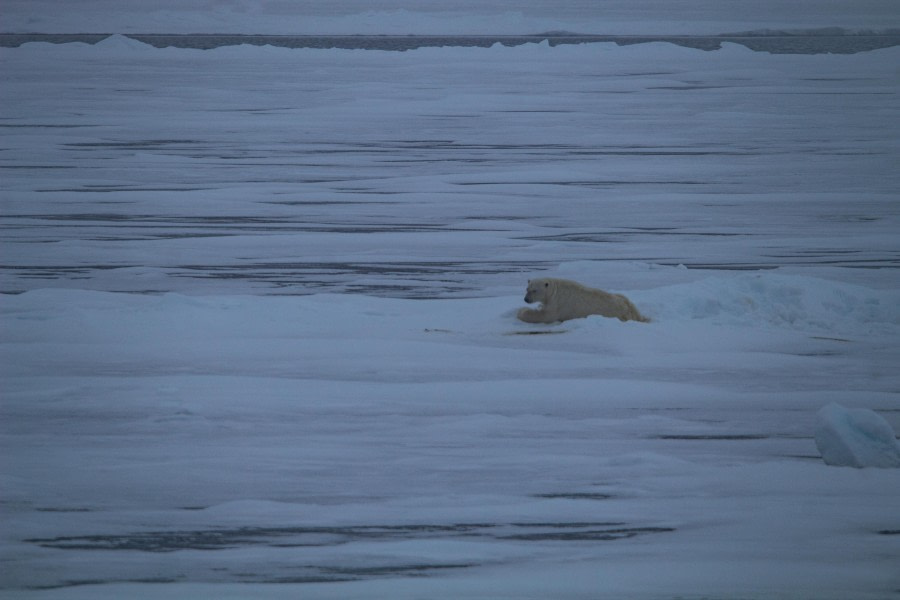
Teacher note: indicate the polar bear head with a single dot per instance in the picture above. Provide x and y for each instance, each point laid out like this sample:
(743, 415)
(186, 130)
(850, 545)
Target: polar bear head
(539, 290)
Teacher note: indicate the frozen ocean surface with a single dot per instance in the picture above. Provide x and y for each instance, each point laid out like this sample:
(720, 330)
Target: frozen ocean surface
(258, 334)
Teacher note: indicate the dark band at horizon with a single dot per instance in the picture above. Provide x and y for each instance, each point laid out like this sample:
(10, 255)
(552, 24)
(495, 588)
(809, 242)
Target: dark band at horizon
(814, 43)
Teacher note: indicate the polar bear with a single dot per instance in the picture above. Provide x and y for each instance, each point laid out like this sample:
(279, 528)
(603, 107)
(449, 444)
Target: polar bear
(562, 299)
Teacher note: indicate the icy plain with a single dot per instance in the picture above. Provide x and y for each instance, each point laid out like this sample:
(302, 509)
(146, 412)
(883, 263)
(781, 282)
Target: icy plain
(258, 334)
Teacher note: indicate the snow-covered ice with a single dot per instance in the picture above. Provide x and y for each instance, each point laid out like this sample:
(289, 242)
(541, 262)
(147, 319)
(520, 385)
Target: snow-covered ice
(225, 439)
(262, 339)
(856, 437)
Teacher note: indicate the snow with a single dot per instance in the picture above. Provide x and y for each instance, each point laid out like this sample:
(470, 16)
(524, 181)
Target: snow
(257, 337)
(856, 438)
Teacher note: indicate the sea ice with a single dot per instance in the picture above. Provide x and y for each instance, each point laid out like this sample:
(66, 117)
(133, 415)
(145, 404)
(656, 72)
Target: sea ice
(856, 437)
(220, 377)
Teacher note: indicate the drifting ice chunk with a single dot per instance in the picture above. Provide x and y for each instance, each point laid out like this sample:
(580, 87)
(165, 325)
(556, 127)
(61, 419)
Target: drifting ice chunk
(856, 438)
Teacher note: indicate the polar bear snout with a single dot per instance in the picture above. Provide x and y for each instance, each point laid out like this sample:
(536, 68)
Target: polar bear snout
(533, 293)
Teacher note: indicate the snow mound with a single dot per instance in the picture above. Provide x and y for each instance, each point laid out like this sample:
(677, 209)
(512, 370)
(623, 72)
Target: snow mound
(856, 437)
(791, 302)
(120, 43)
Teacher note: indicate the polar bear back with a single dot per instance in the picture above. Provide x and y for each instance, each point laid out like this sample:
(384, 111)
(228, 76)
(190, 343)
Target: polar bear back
(573, 300)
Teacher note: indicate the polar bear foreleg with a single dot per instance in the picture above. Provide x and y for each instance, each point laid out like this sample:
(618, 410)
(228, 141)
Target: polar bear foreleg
(531, 315)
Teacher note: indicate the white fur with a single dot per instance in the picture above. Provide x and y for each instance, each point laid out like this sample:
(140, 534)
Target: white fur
(562, 300)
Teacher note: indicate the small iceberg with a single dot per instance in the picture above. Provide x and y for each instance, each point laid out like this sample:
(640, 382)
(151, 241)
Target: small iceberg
(856, 437)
